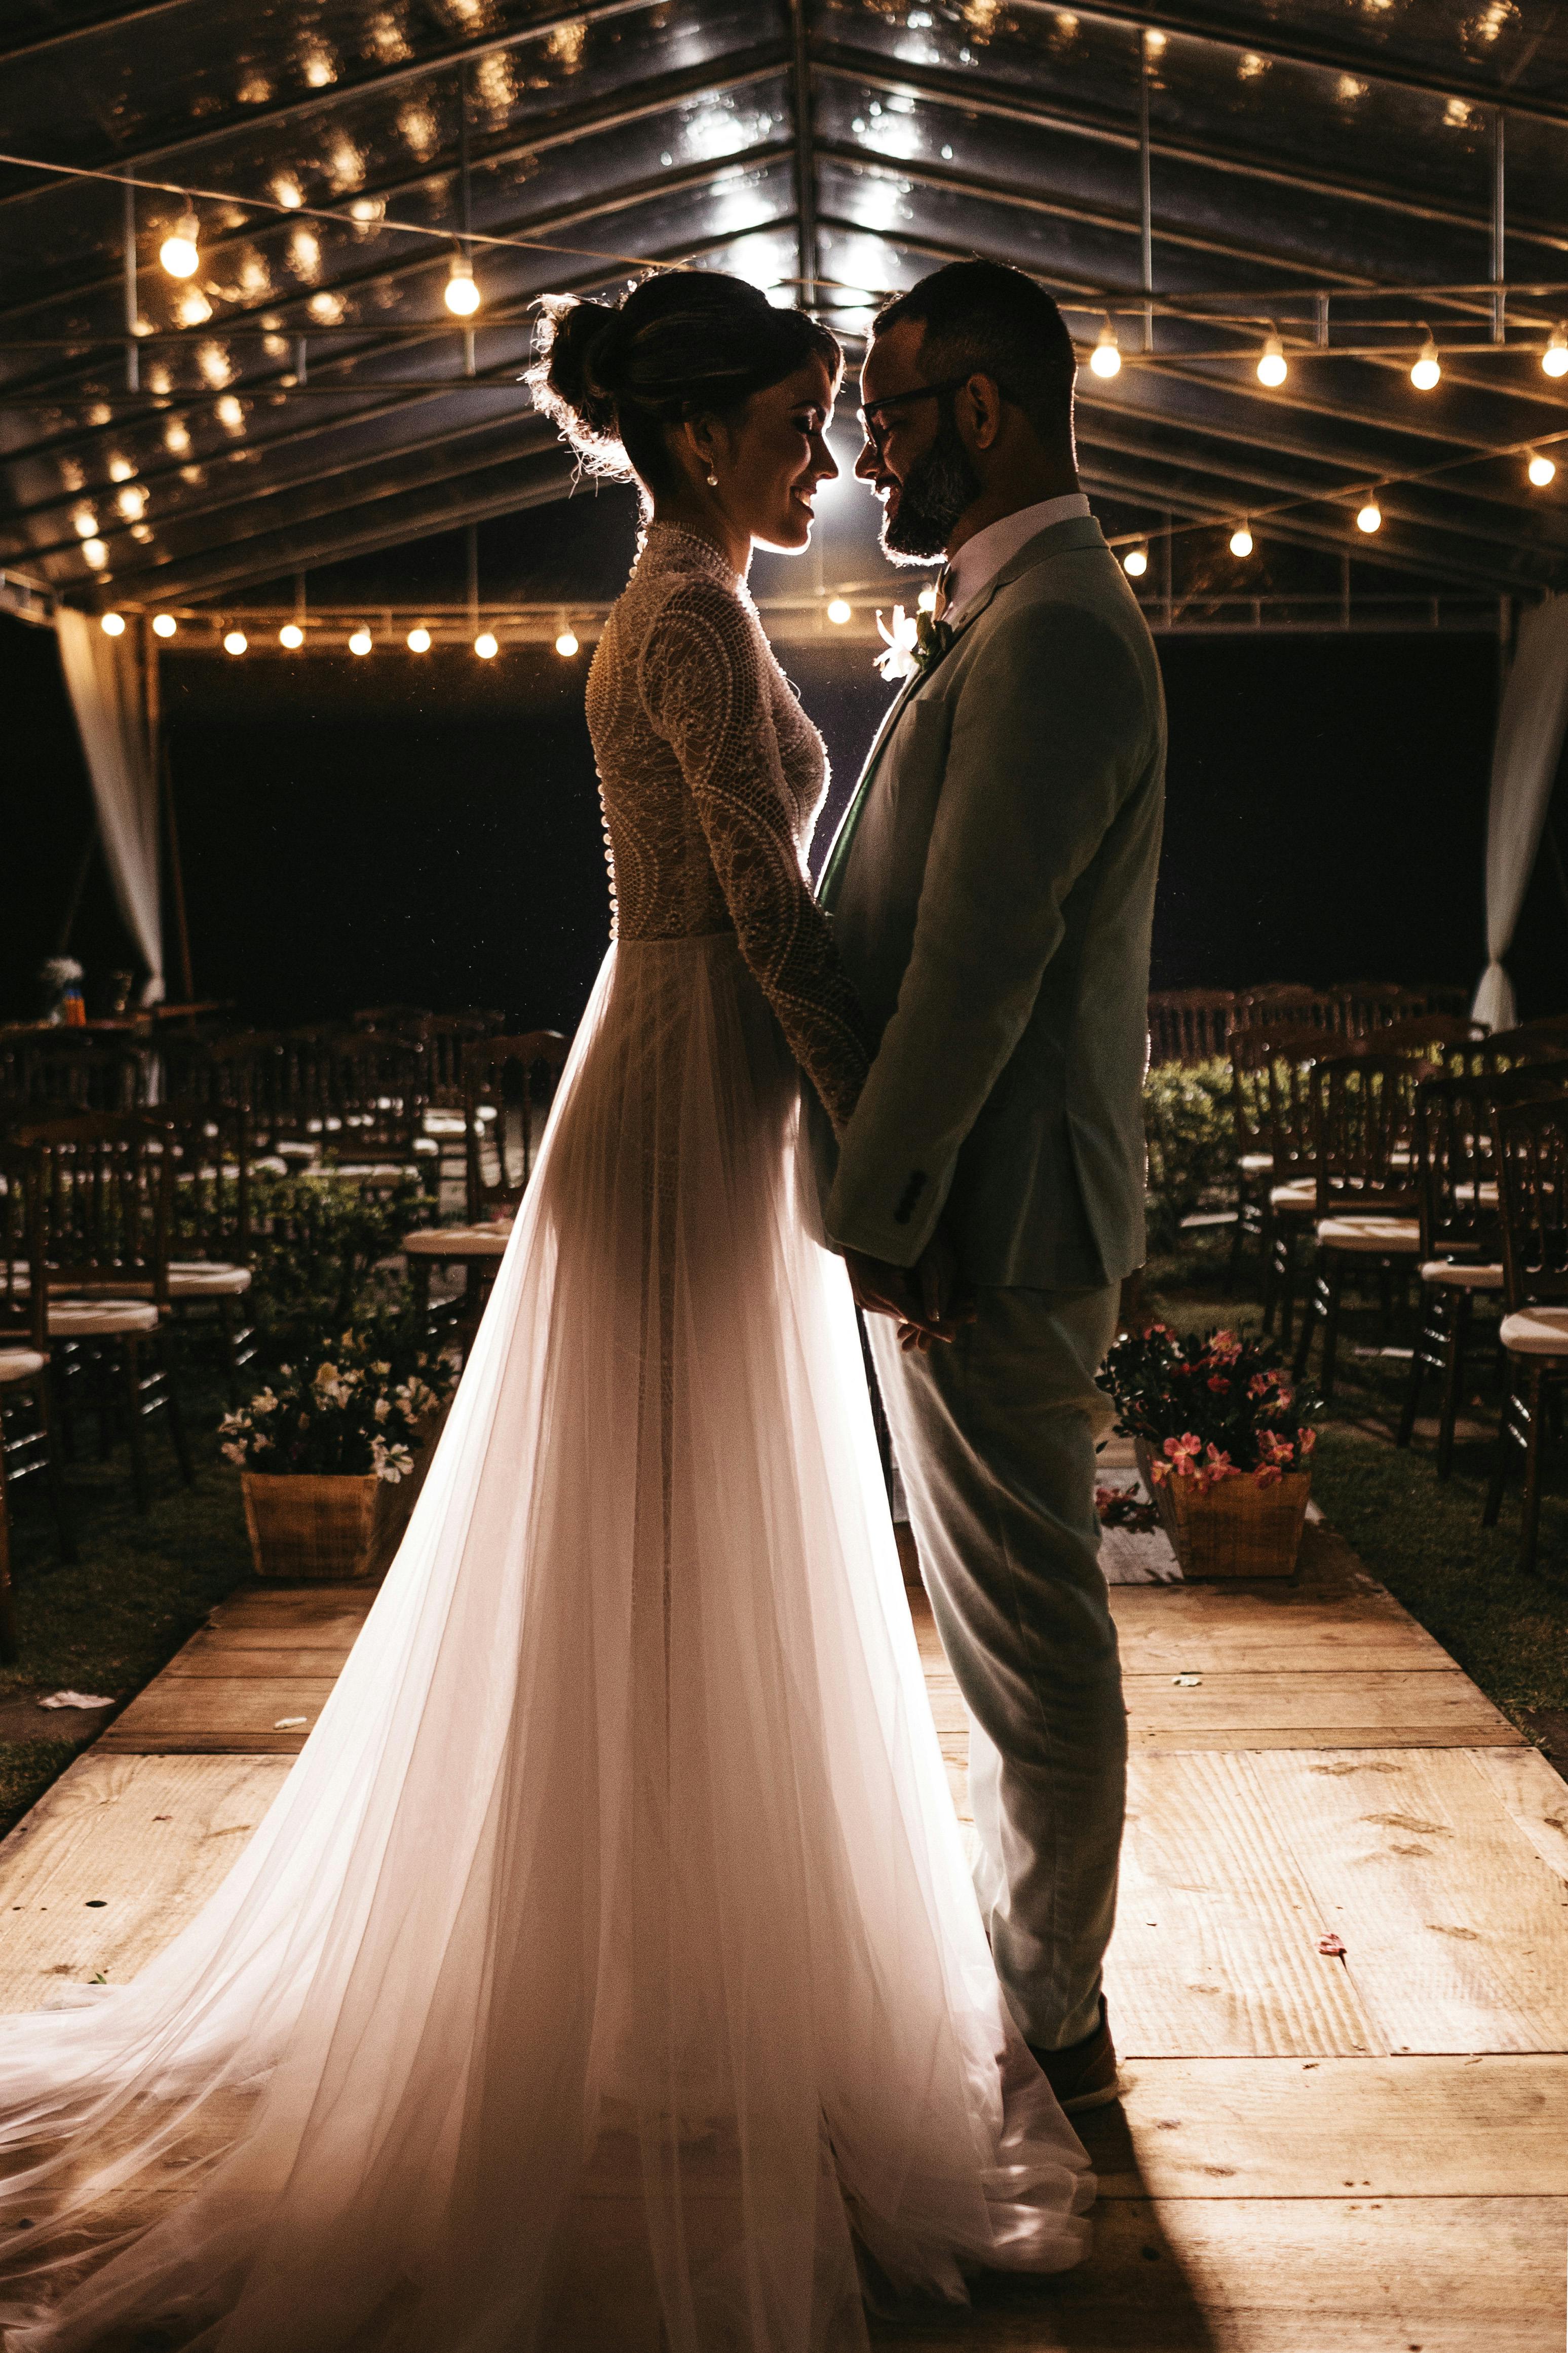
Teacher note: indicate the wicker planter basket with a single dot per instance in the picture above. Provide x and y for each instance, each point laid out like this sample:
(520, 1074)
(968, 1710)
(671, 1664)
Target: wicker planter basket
(1236, 1528)
(310, 1526)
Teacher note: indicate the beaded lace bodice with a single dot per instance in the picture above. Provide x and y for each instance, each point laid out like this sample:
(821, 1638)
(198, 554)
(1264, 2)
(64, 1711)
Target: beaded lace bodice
(711, 777)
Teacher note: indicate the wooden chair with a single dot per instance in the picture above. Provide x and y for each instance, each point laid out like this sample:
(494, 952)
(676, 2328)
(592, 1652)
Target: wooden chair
(24, 1375)
(79, 1074)
(1283, 1059)
(1363, 1115)
(99, 1188)
(209, 1266)
(1285, 1005)
(1190, 1025)
(509, 1085)
(1462, 1228)
(1524, 1048)
(401, 1020)
(1532, 1174)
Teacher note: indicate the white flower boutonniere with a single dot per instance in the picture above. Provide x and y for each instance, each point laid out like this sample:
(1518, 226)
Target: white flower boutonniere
(911, 646)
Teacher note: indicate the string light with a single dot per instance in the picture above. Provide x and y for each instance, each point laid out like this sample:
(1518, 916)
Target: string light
(1272, 369)
(462, 294)
(234, 642)
(486, 644)
(361, 641)
(1371, 516)
(1555, 358)
(838, 612)
(292, 636)
(179, 252)
(566, 644)
(1540, 470)
(1135, 563)
(112, 624)
(418, 641)
(1241, 541)
(1106, 357)
(95, 553)
(164, 625)
(1427, 370)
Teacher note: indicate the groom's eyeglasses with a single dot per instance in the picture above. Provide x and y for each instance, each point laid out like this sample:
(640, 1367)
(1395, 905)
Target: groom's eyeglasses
(872, 415)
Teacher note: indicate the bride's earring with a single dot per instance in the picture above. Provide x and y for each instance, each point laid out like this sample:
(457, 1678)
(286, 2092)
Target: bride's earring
(712, 482)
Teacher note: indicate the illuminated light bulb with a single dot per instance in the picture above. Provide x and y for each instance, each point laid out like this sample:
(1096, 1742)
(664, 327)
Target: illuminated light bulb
(838, 612)
(1369, 517)
(86, 522)
(1555, 358)
(566, 644)
(1427, 370)
(1271, 368)
(112, 624)
(1135, 563)
(926, 600)
(164, 625)
(179, 252)
(462, 294)
(418, 641)
(292, 636)
(486, 644)
(1540, 469)
(234, 642)
(1241, 541)
(95, 553)
(1106, 357)
(361, 641)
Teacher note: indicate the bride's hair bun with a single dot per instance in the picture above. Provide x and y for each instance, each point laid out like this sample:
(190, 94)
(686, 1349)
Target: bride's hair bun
(682, 343)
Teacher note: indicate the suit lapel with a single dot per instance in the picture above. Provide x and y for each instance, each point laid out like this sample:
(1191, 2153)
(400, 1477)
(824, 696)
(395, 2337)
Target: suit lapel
(1058, 538)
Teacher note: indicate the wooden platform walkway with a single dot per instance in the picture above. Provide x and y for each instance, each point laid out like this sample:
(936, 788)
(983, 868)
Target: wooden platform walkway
(1314, 2153)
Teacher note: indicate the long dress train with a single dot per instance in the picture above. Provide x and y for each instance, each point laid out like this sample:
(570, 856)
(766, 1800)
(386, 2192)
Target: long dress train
(606, 1973)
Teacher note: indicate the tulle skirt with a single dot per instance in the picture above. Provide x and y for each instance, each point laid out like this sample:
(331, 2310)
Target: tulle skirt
(606, 1973)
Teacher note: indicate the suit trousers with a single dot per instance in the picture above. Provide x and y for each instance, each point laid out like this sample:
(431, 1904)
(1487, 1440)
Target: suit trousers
(995, 1434)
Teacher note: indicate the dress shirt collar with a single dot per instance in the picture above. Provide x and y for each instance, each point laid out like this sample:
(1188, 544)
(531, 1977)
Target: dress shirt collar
(980, 559)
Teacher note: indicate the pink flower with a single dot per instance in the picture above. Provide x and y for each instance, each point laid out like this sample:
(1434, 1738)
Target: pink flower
(1306, 1439)
(1219, 1387)
(1268, 1474)
(1184, 1451)
(1261, 1383)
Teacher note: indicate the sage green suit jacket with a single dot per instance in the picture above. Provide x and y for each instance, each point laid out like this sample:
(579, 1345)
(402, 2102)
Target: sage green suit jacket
(991, 892)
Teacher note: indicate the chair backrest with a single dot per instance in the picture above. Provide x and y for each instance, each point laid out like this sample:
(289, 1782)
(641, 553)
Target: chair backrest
(1254, 1085)
(1364, 1119)
(1532, 1185)
(1283, 1004)
(1190, 1025)
(1456, 1167)
(106, 1182)
(210, 1210)
(1422, 1033)
(24, 1284)
(1531, 1042)
(84, 1076)
(446, 1039)
(403, 1021)
(515, 1079)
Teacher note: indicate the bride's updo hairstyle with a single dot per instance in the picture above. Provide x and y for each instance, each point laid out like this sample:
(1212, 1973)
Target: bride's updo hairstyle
(684, 343)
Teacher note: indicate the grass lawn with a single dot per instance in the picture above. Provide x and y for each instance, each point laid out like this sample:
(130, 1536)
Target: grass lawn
(141, 1587)
(1420, 1537)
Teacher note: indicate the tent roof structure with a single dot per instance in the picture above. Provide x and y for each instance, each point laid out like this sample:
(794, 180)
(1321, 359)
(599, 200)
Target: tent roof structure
(1355, 177)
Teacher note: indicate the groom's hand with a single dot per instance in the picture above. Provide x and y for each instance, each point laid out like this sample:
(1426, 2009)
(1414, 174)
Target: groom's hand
(927, 1301)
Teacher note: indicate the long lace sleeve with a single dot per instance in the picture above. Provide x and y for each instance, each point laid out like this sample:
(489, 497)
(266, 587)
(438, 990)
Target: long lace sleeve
(704, 691)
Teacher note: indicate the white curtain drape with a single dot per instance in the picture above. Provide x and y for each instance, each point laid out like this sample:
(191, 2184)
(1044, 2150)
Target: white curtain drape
(103, 677)
(1529, 732)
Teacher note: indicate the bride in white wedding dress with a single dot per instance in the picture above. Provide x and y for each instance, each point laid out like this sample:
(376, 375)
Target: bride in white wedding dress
(606, 1973)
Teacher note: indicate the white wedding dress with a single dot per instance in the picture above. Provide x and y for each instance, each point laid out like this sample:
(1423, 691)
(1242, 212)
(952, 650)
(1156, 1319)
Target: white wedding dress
(606, 1973)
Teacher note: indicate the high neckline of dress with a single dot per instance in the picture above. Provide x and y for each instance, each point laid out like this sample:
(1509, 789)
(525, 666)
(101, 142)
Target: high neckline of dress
(715, 558)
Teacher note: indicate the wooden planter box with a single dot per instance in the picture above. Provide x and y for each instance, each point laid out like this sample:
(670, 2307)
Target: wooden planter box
(1236, 1529)
(310, 1526)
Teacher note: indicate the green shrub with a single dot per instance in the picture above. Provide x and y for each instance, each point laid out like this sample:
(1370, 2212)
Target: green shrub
(320, 1248)
(1191, 1136)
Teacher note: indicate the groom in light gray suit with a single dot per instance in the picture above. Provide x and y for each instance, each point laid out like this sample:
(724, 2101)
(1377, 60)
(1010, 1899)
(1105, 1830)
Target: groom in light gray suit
(992, 890)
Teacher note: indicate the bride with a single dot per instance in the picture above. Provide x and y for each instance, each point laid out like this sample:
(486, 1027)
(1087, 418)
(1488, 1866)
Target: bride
(606, 1973)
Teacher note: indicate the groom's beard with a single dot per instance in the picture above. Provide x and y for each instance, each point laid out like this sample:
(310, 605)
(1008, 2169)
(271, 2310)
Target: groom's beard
(937, 490)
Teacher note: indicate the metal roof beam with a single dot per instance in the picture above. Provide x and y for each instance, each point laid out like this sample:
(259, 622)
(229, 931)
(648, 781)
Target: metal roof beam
(436, 60)
(802, 109)
(977, 94)
(1266, 39)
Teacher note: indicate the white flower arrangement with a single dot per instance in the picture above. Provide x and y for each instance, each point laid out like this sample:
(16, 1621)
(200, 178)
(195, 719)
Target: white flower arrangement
(351, 1413)
(912, 646)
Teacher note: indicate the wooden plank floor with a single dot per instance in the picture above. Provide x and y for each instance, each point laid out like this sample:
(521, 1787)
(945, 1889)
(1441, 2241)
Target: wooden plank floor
(1365, 2152)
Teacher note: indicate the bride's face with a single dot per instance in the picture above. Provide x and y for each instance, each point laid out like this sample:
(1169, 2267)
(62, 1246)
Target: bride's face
(776, 457)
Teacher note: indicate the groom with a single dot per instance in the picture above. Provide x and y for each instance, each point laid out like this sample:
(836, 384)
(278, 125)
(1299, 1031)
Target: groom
(992, 890)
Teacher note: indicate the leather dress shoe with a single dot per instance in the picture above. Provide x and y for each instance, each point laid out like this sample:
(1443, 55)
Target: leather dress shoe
(1084, 2075)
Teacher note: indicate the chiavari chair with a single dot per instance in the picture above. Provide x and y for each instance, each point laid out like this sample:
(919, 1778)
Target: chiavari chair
(1363, 1115)
(1532, 1184)
(209, 1265)
(25, 1373)
(1190, 1025)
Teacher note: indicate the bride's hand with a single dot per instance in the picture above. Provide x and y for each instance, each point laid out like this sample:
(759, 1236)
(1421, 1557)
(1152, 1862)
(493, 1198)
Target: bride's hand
(945, 1300)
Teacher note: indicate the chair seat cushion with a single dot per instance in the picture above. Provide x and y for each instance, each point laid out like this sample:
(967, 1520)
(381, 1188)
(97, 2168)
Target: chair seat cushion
(1381, 1236)
(1301, 1192)
(100, 1319)
(20, 1364)
(459, 1241)
(207, 1279)
(1454, 1275)
(1256, 1164)
(1536, 1332)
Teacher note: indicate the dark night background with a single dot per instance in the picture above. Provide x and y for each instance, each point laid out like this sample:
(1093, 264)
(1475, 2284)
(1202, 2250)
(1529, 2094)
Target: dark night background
(425, 830)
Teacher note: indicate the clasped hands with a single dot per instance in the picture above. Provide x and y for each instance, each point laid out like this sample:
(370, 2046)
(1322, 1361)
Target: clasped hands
(929, 1301)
